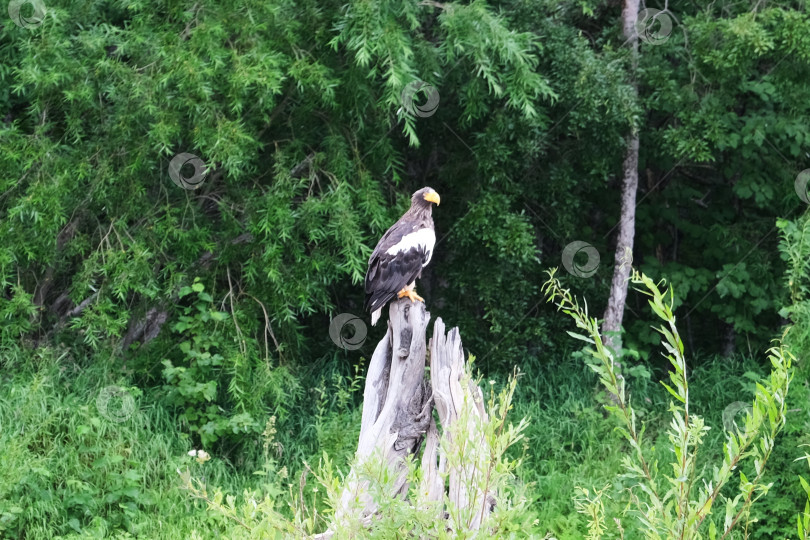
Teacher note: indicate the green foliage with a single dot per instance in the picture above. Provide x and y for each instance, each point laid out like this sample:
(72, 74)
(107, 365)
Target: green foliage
(568, 443)
(296, 110)
(794, 249)
(17, 313)
(803, 519)
(472, 442)
(678, 505)
(194, 386)
(727, 124)
(67, 468)
(337, 417)
(593, 507)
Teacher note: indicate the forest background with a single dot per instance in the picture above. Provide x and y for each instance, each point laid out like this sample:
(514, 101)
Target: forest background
(201, 305)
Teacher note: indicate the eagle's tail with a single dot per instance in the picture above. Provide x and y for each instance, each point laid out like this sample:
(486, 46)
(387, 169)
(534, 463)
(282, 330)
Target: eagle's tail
(375, 316)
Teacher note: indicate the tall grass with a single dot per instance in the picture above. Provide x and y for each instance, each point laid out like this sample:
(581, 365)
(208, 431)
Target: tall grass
(67, 470)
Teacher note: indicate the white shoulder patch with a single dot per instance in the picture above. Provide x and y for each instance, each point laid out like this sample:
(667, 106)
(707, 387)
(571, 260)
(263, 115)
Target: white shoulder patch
(423, 238)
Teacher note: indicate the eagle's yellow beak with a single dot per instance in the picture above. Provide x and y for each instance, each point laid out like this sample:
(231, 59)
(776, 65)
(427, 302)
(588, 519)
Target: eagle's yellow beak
(433, 197)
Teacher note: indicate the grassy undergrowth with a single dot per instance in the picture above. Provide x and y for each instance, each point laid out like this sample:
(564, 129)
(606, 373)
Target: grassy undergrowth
(68, 471)
(573, 443)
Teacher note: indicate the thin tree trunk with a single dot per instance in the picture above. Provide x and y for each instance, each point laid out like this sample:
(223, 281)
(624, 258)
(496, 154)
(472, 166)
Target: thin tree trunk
(612, 324)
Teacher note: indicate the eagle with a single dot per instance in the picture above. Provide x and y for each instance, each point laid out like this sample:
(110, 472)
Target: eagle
(401, 254)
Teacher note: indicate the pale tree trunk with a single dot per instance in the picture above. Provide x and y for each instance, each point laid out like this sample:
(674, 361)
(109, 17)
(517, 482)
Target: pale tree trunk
(612, 324)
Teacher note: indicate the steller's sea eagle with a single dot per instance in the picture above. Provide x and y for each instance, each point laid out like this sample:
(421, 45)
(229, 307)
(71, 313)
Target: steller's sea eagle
(401, 254)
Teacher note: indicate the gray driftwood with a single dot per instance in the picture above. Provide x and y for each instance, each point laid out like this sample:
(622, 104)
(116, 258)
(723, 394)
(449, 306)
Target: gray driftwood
(398, 418)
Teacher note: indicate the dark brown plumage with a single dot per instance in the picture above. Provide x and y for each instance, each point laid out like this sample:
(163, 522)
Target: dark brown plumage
(401, 253)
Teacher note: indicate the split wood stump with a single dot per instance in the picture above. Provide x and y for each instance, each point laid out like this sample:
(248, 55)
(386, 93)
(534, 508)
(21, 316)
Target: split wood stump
(398, 420)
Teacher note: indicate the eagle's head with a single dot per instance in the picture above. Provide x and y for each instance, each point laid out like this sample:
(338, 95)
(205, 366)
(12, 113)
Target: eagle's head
(424, 197)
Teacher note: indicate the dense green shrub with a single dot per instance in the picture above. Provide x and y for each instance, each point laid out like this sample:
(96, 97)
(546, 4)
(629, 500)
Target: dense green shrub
(795, 251)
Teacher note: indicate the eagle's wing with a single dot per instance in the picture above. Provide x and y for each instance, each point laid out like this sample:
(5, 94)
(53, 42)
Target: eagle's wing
(397, 261)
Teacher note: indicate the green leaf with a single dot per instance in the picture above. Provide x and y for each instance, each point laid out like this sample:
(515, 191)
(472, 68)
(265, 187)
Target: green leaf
(673, 392)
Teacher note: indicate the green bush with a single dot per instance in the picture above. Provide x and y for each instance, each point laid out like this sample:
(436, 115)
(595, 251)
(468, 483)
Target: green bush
(794, 249)
(69, 469)
(194, 382)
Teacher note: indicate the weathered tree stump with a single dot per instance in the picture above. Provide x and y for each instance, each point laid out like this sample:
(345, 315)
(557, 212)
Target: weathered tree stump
(396, 402)
(465, 454)
(398, 417)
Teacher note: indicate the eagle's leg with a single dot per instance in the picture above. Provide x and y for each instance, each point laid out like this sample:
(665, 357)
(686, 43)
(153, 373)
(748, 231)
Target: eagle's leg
(410, 293)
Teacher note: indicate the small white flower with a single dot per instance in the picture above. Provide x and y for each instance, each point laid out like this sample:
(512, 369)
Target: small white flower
(491, 382)
(201, 455)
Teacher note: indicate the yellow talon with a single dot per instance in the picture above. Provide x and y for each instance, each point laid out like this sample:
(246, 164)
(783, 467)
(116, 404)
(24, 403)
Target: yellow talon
(410, 293)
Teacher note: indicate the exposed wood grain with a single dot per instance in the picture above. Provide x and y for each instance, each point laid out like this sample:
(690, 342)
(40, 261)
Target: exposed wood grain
(396, 406)
(397, 420)
(459, 402)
